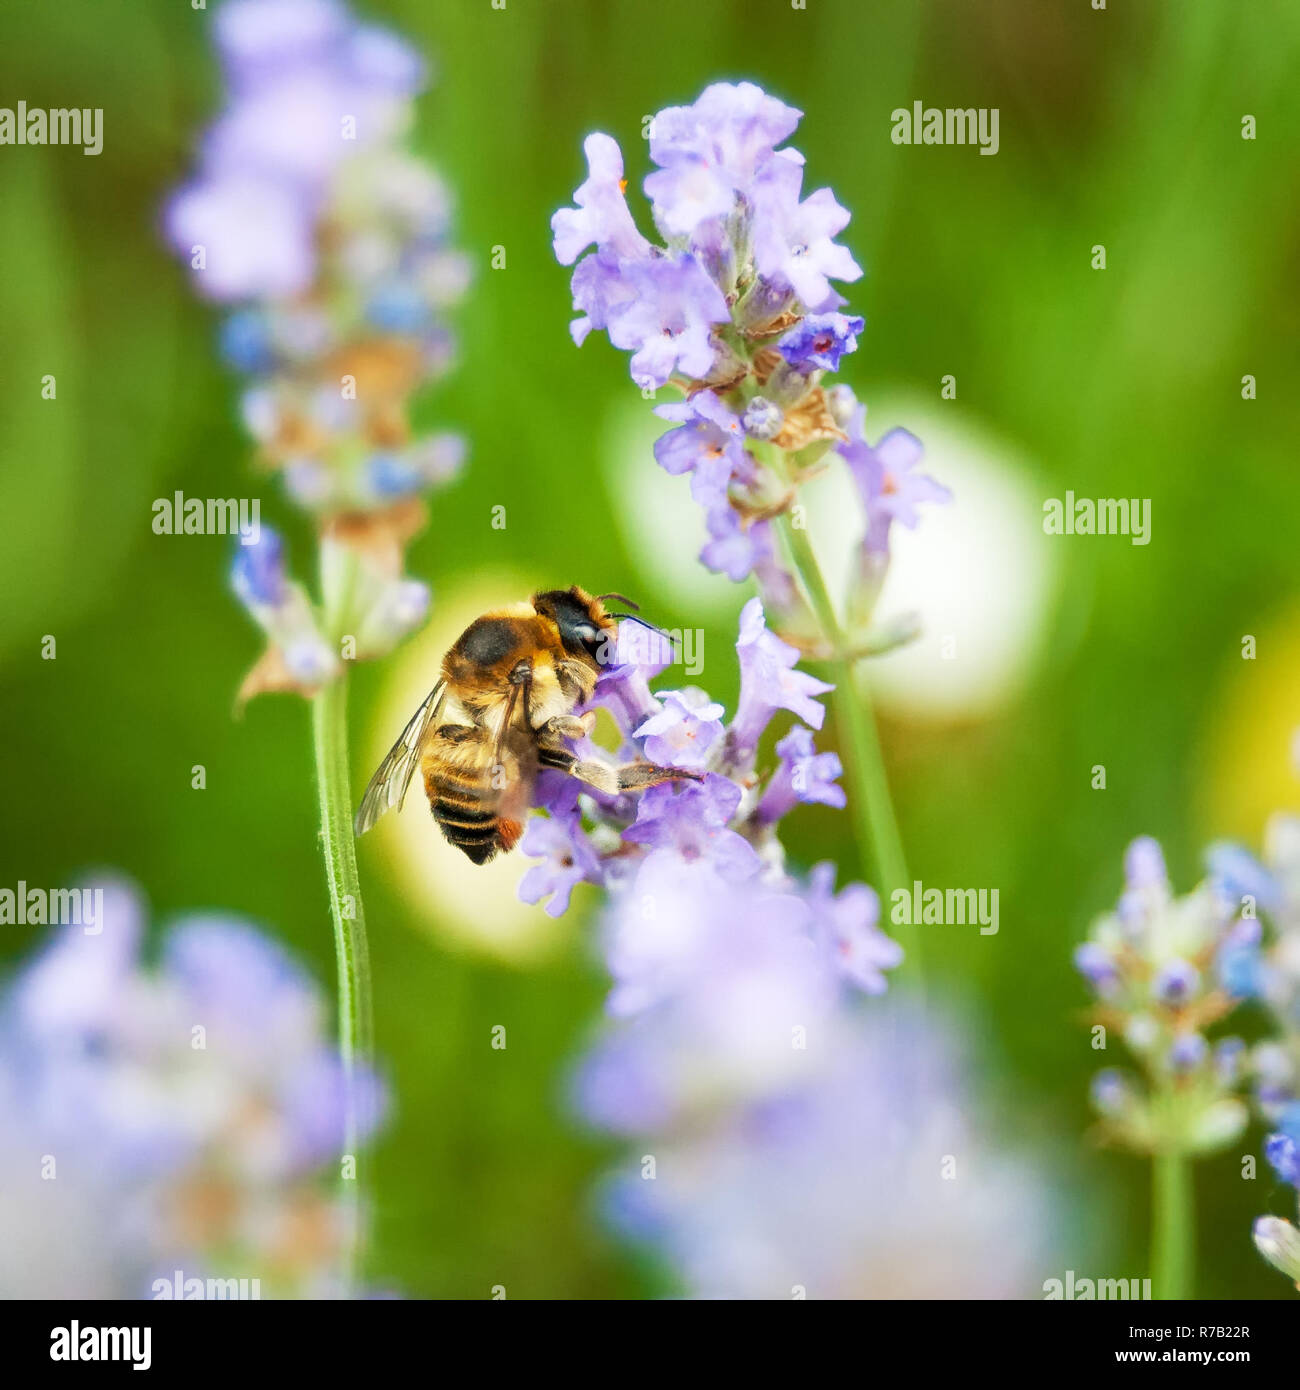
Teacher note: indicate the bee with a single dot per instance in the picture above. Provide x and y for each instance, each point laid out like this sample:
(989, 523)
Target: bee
(501, 712)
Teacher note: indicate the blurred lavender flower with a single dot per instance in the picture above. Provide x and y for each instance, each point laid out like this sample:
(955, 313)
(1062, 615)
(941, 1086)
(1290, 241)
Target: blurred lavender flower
(329, 243)
(1152, 965)
(738, 312)
(298, 654)
(850, 1171)
(1263, 891)
(187, 1115)
(847, 924)
(308, 88)
(1267, 969)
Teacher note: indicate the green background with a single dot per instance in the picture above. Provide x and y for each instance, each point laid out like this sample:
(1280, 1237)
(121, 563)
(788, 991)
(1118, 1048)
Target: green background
(1120, 127)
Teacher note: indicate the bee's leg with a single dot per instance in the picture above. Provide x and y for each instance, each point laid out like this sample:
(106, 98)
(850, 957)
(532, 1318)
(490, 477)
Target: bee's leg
(630, 777)
(551, 752)
(562, 726)
(634, 777)
(599, 775)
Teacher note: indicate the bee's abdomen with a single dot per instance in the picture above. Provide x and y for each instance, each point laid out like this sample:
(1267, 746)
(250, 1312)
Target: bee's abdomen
(477, 837)
(465, 808)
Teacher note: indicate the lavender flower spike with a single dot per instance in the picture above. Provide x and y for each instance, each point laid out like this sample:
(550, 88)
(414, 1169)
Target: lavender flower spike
(332, 256)
(1138, 961)
(737, 310)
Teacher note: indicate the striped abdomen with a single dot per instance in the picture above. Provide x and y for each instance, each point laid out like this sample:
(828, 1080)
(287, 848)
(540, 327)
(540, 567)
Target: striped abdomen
(465, 802)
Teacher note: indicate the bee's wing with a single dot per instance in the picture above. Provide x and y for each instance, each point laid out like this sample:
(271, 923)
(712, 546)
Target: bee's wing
(388, 786)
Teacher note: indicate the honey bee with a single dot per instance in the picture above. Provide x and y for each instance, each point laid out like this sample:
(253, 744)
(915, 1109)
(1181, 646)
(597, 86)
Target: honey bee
(503, 711)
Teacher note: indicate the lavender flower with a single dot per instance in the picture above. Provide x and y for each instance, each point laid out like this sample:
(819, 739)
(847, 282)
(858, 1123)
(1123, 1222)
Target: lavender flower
(710, 153)
(793, 245)
(308, 88)
(193, 1112)
(826, 1181)
(682, 733)
(667, 322)
(601, 217)
(328, 242)
(1266, 967)
(1148, 964)
(888, 483)
(818, 341)
(736, 310)
(651, 849)
(804, 775)
(732, 1044)
(298, 654)
(1276, 1239)
(693, 824)
(1265, 890)
(847, 925)
(769, 680)
(565, 860)
(709, 432)
(732, 978)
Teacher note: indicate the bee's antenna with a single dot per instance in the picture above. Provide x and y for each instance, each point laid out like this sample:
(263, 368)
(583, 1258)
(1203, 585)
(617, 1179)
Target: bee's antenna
(650, 627)
(622, 598)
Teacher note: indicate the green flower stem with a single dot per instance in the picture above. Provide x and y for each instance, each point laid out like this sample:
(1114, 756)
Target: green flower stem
(355, 1029)
(875, 825)
(1173, 1226)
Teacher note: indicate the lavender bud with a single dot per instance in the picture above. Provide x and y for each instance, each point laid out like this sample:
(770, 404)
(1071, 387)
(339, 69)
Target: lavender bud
(439, 457)
(1175, 983)
(389, 476)
(1279, 1243)
(309, 660)
(1111, 1092)
(260, 413)
(1144, 864)
(258, 573)
(398, 608)
(1229, 1060)
(1187, 1052)
(1096, 964)
(788, 385)
(762, 419)
(842, 403)
(764, 303)
(1283, 1153)
(309, 483)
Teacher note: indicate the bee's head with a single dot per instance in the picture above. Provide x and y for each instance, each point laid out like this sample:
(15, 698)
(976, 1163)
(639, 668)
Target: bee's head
(585, 627)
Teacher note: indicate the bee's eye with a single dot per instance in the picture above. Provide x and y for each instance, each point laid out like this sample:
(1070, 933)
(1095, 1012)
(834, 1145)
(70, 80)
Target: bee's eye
(587, 633)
